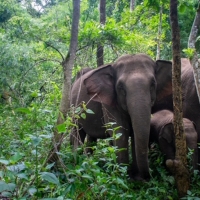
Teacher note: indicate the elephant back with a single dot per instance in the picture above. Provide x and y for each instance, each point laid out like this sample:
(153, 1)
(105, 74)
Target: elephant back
(158, 121)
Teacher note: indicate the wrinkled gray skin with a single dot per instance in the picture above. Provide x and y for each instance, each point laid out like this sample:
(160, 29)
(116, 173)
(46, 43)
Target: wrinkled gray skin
(191, 105)
(162, 132)
(123, 92)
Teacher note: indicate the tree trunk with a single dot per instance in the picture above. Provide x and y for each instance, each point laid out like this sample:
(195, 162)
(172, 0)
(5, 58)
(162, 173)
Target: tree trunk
(159, 33)
(179, 165)
(191, 44)
(132, 5)
(67, 65)
(102, 11)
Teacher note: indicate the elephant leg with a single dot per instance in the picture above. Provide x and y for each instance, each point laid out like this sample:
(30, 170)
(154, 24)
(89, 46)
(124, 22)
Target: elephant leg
(120, 124)
(77, 138)
(133, 171)
(122, 145)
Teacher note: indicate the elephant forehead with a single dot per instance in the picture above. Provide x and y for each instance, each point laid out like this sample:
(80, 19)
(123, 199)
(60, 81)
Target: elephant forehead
(130, 62)
(131, 65)
(126, 72)
(136, 57)
(134, 77)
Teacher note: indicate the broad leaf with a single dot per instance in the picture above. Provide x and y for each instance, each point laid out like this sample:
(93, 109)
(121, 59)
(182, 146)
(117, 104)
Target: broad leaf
(50, 177)
(5, 162)
(83, 115)
(23, 110)
(89, 111)
(61, 128)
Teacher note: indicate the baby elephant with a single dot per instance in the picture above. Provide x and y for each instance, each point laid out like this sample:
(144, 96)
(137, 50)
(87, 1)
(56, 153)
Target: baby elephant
(162, 132)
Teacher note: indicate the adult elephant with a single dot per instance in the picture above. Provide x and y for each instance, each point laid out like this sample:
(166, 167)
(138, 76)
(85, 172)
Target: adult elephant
(191, 105)
(162, 132)
(124, 92)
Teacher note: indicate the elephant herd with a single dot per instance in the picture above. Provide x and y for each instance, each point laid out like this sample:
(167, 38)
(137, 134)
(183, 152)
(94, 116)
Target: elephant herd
(135, 92)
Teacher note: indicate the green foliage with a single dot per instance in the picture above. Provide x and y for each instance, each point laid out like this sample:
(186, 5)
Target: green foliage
(187, 13)
(7, 9)
(27, 139)
(189, 52)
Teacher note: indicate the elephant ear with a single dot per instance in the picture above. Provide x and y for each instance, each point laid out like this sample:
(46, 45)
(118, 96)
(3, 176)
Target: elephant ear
(100, 85)
(167, 133)
(164, 79)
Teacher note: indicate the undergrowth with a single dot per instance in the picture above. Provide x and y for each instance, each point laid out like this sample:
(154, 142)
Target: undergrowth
(26, 135)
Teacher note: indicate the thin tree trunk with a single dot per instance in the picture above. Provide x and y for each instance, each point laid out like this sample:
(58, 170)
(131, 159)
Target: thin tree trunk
(132, 5)
(67, 65)
(159, 34)
(191, 44)
(179, 165)
(100, 51)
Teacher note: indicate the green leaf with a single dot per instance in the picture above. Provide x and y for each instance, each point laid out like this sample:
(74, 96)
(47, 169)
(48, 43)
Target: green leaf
(22, 176)
(78, 109)
(111, 149)
(23, 110)
(86, 176)
(121, 182)
(16, 157)
(34, 94)
(84, 106)
(3, 186)
(1, 174)
(70, 188)
(83, 115)
(182, 8)
(5, 162)
(61, 198)
(36, 140)
(118, 135)
(6, 194)
(78, 171)
(104, 190)
(49, 166)
(16, 168)
(114, 157)
(89, 111)
(61, 128)
(50, 177)
(32, 191)
(76, 116)
(11, 187)
(189, 52)
(6, 187)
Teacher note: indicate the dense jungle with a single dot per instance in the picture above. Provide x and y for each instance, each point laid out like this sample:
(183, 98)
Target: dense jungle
(35, 40)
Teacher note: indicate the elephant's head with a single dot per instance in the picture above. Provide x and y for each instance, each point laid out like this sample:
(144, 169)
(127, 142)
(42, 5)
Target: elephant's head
(167, 140)
(131, 85)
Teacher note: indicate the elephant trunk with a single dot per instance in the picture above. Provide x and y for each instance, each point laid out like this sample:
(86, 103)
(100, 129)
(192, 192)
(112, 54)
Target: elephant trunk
(140, 112)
